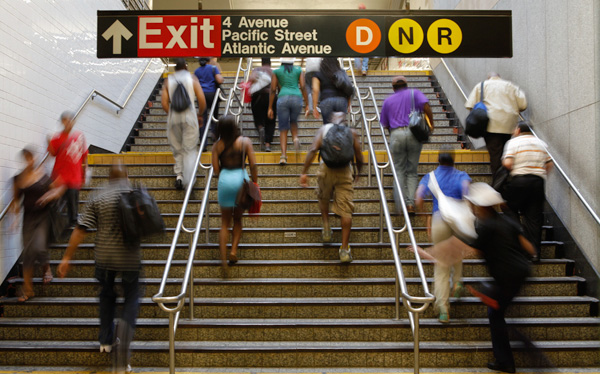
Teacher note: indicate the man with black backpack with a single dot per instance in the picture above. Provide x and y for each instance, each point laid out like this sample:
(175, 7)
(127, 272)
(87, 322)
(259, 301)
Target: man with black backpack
(177, 99)
(338, 147)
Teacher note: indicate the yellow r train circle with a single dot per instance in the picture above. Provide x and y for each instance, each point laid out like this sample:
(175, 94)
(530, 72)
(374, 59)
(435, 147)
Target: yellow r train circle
(444, 36)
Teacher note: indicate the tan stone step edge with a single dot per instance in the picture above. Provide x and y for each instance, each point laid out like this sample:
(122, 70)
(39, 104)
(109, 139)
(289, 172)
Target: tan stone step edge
(268, 157)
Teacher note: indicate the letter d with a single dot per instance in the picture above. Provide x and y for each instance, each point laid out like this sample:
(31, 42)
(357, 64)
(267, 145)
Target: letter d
(359, 33)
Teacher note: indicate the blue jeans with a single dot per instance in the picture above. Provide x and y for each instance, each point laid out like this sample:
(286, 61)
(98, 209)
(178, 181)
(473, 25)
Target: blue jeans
(108, 298)
(365, 63)
(406, 150)
(288, 110)
(331, 105)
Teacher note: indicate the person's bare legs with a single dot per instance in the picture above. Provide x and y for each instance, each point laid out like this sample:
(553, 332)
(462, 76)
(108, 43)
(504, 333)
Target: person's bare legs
(294, 128)
(324, 207)
(226, 214)
(27, 288)
(346, 227)
(237, 230)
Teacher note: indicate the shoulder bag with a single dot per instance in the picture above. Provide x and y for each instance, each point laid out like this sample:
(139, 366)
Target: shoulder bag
(456, 213)
(249, 196)
(477, 120)
(417, 122)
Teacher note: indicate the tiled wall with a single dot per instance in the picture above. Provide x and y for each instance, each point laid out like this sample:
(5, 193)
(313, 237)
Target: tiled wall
(48, 65)
(556, 61)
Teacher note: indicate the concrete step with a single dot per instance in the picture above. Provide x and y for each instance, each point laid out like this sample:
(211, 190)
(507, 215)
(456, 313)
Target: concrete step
(319, 330)
(295, 354)
(295, 287)
(278, 251)
(319, 307)
(311, 268)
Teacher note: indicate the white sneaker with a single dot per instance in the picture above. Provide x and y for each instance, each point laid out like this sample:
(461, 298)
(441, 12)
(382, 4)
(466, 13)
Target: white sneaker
(105, 348)
(345, 255)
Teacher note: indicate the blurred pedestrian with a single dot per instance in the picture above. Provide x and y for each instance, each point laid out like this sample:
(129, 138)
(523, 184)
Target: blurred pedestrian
(455, 184)
(503, 100)
(330, 99)
(210, 79)
(229, 156)
(70, 166)
(36, 190)
(312, 66)
(405, 148)
(289, 81)
(182, 127)
(528, 161)
(260, 90)
(112, 257)
(335, 181)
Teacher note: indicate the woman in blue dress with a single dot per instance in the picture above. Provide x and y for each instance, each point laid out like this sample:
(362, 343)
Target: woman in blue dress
(230, 168)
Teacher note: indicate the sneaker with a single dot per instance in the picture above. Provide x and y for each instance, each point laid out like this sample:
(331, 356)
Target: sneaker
(267, 148)
(327, 234)
(345, 255)
(179, 183)
(444, 317)
(459, 290)
(297, 145)
(105, 348)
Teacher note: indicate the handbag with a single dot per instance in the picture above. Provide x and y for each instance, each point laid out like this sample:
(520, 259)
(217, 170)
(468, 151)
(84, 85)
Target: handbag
(417, 122)
(477, 120)
(249, 196)
(456, 213)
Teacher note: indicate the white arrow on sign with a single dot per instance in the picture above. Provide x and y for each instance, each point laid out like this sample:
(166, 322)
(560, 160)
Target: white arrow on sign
(116, 31)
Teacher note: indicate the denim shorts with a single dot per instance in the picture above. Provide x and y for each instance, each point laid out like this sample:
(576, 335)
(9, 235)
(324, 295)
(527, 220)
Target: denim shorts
(288, 110)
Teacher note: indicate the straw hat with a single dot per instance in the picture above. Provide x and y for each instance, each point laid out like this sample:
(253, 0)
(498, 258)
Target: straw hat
(482, 194)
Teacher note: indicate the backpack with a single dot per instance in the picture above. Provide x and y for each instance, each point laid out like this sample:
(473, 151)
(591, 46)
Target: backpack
(140, 216)
(180, 100)
(477, 120)
(337, 148)
(342, 83)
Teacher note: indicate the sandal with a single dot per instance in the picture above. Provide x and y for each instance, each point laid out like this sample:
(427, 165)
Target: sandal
(232, 259)
(48, 277)
(22, 297)
(297, 144)
(282, 160)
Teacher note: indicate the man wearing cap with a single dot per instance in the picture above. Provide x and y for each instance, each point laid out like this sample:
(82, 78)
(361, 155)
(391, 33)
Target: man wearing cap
(501, 241)
(505, 250)
(406, 149)
(503, 100)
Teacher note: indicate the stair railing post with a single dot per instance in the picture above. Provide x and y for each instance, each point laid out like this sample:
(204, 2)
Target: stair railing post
(207, 218)
(381, 219)
(192, 293)
(172, 343)
(416, 336)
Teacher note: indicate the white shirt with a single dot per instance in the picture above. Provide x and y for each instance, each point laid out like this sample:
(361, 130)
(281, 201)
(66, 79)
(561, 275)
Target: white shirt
(529, 154)
(503, 99)
(189, 115)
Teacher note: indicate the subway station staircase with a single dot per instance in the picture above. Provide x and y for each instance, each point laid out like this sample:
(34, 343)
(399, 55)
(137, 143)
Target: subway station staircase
(288, 302)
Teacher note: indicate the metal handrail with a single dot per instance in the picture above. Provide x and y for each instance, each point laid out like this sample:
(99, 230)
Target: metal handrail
(556, 164)
(91, 96)
(187, 284)
(401, 288)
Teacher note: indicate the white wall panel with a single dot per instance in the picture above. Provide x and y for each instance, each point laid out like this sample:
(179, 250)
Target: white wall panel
(48, 65)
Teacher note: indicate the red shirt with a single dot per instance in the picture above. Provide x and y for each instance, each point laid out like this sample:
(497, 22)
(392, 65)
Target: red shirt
(70, 150)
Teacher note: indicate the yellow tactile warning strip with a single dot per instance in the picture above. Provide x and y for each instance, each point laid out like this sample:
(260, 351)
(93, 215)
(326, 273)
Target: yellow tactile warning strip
(267, 157)
(259, 371)
(374, 72)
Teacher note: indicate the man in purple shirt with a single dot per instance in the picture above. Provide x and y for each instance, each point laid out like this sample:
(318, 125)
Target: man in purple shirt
(406, 149)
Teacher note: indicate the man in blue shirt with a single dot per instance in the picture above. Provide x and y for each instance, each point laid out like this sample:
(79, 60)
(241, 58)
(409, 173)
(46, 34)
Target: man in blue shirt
(406, 149)
(453, 183)
(210, 79)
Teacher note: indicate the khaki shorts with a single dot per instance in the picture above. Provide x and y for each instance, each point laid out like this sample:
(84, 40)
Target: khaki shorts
(336, 184)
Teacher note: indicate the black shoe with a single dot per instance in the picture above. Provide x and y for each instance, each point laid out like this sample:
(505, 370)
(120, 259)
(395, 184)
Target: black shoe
(178, 184)
(494, 365)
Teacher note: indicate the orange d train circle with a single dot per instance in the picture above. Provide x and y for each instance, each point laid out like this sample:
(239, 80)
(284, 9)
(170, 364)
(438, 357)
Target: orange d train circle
(363, 35)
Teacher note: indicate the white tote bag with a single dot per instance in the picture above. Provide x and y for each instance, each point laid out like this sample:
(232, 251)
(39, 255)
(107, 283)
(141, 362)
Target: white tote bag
(456, 213)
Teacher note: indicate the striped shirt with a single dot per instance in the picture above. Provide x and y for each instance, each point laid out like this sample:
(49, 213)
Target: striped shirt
(102, 213)
(529, 154)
